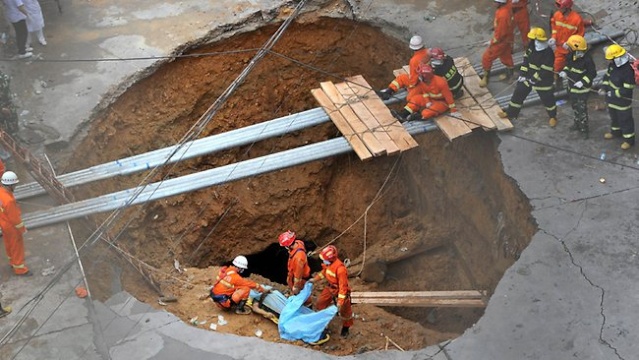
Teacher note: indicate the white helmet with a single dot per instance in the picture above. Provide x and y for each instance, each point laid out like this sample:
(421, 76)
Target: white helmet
(416, 42)
(500, 1)
(9, 178)
(240, 262)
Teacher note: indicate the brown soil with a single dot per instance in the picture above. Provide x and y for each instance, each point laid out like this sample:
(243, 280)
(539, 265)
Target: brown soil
(452, 197)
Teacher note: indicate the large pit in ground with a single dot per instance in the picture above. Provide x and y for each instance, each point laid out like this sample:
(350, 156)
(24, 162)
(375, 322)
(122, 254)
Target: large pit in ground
(449, 204)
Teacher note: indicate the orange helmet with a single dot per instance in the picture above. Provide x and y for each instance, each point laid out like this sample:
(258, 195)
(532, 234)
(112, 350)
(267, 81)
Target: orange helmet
(564, 4)
(425, 72)
(329, 253)
(287, 238)
(437, 54)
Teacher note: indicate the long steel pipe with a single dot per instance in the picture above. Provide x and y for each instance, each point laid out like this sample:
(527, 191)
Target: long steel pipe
(203, 179)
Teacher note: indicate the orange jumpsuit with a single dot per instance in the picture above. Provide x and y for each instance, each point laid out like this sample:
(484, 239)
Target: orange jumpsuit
(231, 288)
(409, 81)
(12, 230)
(563, 27)
(337, 291)
(501, 45)
(521, 19)
(298, 269)
(437, 93)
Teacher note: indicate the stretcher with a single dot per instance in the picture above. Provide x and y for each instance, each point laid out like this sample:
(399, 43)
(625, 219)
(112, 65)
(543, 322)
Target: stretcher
(272, 303)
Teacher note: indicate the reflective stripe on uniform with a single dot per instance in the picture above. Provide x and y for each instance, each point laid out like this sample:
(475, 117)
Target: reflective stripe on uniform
(565, 25)
(227, 284)
(328, 272)
(617, 107)
(341, 296)
(20, 225)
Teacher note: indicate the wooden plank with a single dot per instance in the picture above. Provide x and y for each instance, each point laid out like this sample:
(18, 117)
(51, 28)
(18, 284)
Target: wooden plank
(342, 125)
(421, 302)
(468, 107)
(395, 129)
(485, 99)
(398, 72)
(354, 98)
(451, 127)
(358, 126)
(457, 294)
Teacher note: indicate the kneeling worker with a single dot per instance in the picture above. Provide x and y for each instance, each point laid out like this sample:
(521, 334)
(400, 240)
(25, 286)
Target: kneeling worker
(337, 291)
(231, 289)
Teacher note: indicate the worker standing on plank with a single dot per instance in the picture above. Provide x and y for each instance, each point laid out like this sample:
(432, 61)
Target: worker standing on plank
(231, 289)
(501, 45)
(337, 291)
(536, 72)
(580, 71)
(12, 225)
(298, 270)
(521, 19)
(618, 85)
(444, 66)
(408, 81)
(564, 23)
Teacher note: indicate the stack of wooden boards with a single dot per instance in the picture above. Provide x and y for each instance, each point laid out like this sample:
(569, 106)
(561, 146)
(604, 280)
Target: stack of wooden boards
(368, 125)
(461, 298)
(363, 119)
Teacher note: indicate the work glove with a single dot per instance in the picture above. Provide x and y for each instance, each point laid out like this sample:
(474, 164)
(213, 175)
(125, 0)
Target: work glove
(579, 84)
(521, 79)
(601, 92)
(428, 105)
(311, 280)
(609, 93)
(553, 44)
(385, 94)
(563, 75)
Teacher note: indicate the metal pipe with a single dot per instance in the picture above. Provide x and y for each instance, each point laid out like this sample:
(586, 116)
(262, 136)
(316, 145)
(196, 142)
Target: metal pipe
(203, 179)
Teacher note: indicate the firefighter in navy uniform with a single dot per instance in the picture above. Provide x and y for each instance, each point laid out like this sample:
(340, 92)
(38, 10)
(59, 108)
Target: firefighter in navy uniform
(618, 85)
(444, 66)
(580, 71)
(536, 73)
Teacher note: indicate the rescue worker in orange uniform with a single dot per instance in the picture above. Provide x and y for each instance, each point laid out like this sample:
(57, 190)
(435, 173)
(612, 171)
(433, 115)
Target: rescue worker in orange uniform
(408, 81)
(521, 19)
(231, 289)
(563, 24)
(12, 225)
(337, 292)
(435, 99)
(501, 45)
(298, 270)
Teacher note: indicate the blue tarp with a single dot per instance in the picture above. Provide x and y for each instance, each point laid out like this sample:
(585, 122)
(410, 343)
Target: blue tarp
(297, 323)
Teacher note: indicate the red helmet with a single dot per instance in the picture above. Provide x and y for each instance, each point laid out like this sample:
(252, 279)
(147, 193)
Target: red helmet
(329, 253)
(425, 72)
(287, 238)
(437, 53)
(564, 4)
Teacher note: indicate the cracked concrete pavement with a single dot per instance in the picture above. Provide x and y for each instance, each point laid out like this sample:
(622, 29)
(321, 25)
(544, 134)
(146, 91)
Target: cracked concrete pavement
(571, 294)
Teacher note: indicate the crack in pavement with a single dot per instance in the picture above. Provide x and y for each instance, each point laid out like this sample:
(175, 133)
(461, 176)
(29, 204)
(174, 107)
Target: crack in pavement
(583, 199)
(583, 274)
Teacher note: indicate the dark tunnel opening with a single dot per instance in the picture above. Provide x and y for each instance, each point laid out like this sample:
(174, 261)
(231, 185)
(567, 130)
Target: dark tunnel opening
(271, 262)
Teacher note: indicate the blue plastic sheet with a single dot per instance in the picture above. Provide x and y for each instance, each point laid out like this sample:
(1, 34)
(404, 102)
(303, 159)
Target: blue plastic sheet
(297, 323)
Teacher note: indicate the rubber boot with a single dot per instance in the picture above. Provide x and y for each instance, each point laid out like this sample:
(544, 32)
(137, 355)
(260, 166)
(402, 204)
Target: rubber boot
(401, 115)
(241, 309)
(4, 311)
(508, 75)
(344, 332)
(484, 79)
(502, 114)
(552, 122)
(627, 144)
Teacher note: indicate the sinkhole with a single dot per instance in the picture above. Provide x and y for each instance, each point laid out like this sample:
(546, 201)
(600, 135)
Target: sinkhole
(443, 216)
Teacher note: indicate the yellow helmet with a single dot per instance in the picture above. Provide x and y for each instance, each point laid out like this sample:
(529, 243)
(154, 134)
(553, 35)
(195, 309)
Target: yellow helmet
(537, 33)
(577, 43)
(614, 51)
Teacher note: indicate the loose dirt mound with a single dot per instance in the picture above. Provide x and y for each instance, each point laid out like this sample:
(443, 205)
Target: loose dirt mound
(451, 199)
